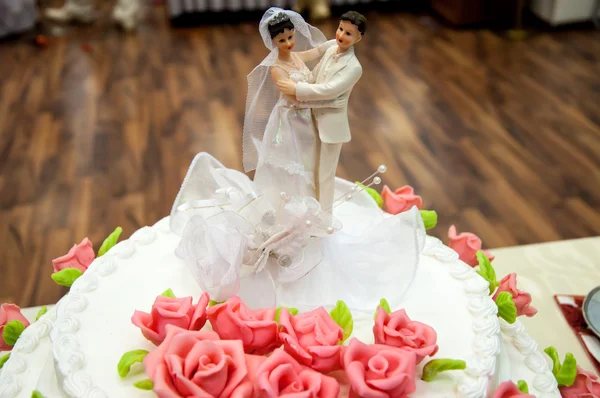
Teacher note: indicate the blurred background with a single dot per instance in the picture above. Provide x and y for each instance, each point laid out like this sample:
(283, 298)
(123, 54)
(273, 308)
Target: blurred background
(490, 109)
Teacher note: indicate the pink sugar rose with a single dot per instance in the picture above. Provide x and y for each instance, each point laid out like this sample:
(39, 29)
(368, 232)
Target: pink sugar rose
(171, 311)
(397, 330)
(232, 320)
(403, 199)
(9, 313)
(508, 389)
(312, 338)
(379, 371)
(522, 300)
(586, 386)
(282, 376)
(198, 364)
(80, 256)
(466, 244)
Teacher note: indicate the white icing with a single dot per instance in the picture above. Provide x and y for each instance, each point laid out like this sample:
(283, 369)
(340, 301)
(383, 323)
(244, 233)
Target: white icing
(486, 344)
(544, 383)
(14, 373)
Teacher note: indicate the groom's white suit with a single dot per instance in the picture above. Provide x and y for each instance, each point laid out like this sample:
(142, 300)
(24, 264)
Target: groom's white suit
(334, 77)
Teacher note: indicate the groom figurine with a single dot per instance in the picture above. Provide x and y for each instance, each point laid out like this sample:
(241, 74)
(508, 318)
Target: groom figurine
(334, 77)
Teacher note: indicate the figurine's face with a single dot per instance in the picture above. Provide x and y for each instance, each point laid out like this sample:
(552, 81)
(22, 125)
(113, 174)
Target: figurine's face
(285, 40)
(347, 35)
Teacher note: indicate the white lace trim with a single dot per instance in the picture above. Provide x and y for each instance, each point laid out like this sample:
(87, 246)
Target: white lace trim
(292, 168)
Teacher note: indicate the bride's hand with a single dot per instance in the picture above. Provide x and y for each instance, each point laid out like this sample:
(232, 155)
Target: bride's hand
(287, 87)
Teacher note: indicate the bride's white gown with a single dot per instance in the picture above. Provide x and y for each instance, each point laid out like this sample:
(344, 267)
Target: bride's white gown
(287, 156)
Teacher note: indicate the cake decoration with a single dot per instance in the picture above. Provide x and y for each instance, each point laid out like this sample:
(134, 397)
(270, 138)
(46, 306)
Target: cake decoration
(280, 375)
(171, 311)
(312, 338)
(400, 200)
(128, 360)
(343, 317)
(68, 268)
(566, 372)
(437, 366)
(372, 193)
(523, 387)
(257, 329)
(12, 324)
(79, 257)
(466, 244)
(37, 394)
(3, 359)
(430, 218)
(291, 310)
(383, 303)
(508, 389)
(145, 384)
(110, 241)
(378, 370)
(506, 307)
(585, 385)
(41, 312)
(198, 363)
(486, 270)
(522, 300)
(168, 293)
(398, 330)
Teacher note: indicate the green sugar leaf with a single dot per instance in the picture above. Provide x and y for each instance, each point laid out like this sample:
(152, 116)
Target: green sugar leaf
(110, 241)
(12, 331)
(66, 277)
(37, 394)
(212, 303)
(168, 293)
(568, 371)
(383, 304)
(146, 384)
(523, 387)
(430, 218)
(373, 193)
(292, 311)
(343, 317)
(41, 312)
(506, 307)
(437, 366)
(553, 354)
(486, 270)
(128, 360)
(3, 360)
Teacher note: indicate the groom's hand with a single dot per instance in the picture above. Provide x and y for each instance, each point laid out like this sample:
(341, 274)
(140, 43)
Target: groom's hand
(287, 87)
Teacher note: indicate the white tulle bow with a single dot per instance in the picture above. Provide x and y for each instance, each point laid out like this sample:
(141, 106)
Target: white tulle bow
(228, 231)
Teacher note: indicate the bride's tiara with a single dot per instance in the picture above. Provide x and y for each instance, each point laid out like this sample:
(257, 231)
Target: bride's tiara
(278, 18)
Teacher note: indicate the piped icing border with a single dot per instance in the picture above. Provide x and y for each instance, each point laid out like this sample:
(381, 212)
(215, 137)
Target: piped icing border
(544, 382)
(14, 372)
(68, 355)
(481, 365)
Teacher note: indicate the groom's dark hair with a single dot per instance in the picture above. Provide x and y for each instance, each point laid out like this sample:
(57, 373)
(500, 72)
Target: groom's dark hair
(355, 18)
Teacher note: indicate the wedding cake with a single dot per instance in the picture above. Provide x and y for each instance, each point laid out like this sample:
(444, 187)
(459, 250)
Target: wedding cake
(446, 312)
(258, 289)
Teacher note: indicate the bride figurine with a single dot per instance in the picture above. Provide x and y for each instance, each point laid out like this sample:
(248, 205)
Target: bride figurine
(279, 132)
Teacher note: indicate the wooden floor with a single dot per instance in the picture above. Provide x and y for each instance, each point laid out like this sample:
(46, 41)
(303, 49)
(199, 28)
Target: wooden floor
(502, 138)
